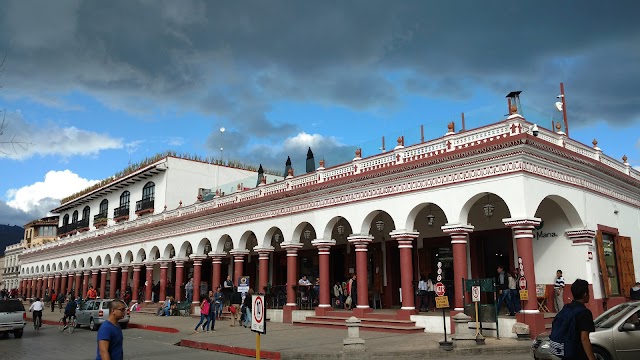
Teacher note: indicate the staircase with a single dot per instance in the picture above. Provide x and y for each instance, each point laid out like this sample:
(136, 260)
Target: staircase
(152, 308)
(373, 321)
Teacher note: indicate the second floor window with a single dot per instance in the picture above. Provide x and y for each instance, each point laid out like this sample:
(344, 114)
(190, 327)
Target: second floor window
(148, 191)
(74, 217)
(104, 207)
(85, 212)
(65, 220)
(124, 199)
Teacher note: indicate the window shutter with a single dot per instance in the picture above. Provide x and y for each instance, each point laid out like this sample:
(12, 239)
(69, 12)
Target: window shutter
(624, 257)
(603, 265)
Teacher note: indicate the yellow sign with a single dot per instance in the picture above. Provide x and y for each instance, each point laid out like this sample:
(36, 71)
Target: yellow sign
(442, 302)
(524, 294)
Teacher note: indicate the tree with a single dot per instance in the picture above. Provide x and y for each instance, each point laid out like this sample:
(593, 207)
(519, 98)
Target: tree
(11, 145)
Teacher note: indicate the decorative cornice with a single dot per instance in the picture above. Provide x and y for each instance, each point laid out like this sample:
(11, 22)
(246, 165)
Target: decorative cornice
(457, 228)
(522, 222)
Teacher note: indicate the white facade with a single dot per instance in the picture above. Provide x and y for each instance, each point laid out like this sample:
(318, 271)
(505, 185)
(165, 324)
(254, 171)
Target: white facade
(11, 266)
(571, 187)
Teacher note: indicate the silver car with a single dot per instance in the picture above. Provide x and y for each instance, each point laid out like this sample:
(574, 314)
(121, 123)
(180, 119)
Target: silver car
(617, 335)
(94, 313)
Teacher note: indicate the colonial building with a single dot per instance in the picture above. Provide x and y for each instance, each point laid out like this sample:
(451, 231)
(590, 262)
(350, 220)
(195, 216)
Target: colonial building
(11, 266)
(463, 203)
(40, 231)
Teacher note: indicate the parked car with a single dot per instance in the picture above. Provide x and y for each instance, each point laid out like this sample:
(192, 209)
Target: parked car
(93, 313)
(13, 318)
(617, 335)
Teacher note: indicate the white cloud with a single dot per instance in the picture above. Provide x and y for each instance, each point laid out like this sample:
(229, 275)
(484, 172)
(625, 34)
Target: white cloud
(23, 139)
(175, 141)
(42, 196)
(304, 140)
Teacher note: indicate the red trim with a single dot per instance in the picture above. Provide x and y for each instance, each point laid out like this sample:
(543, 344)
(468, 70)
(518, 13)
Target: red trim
(121, 218)
(608, 229)
(154, 328)
(145, 211)
(230, 349)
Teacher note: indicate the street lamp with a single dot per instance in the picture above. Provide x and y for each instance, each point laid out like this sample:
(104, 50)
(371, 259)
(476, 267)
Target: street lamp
(340, 229)
(380, 225)
(307, 234)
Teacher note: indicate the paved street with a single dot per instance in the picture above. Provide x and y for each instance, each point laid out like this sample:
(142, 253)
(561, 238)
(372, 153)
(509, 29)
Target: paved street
(49, 343)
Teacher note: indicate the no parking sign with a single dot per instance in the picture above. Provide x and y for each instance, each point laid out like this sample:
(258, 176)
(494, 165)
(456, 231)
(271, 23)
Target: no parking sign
(258, 312)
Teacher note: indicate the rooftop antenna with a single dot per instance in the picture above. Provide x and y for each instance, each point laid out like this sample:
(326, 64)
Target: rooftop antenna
(514, 100)
(561, 106)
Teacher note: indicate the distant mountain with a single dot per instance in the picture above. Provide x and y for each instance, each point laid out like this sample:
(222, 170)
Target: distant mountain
(10, 235)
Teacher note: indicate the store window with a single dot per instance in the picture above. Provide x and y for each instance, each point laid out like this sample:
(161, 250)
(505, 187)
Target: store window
(609, 251)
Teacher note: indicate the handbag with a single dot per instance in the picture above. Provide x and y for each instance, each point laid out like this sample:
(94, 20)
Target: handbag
(232, 309)
(348, 301)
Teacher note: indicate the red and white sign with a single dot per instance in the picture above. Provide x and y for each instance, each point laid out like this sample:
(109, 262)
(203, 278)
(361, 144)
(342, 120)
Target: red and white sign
(440, 289)
(523, 283)
(258, 312)
(475, 293)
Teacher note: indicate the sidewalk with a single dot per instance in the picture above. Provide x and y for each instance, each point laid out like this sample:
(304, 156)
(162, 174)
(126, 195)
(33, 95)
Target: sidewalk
(285, 341)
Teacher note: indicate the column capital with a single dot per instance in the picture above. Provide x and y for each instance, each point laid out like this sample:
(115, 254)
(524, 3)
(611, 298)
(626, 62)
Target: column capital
(95, 271)
(264, 249)
(104, 270)
(180, 261)
(291, 247)
(581, 236)
(239, 252)
(137, 266)
(197, 259)
(56, 275)
(125, 267)
(114, 268)
(164, 263)
(404, 235)
(321, 243)
(64, 273)
(150, 263)
(87, 272)
(79, 272)
(523, 223)
(360, 239)
(457, 228)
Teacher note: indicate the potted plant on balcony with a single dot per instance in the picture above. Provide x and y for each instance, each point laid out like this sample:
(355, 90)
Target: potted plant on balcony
(100, 222)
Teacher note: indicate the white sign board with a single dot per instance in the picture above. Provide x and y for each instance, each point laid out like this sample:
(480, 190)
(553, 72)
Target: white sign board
(475, 293)
(258, 314)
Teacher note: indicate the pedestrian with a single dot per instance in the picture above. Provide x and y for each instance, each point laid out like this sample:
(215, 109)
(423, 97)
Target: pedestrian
(212, 312)
(247, 309)
(189, 290)
(204, 313)
(53, 299)
(110, 334)
(234, 308)
(502, 282)
(634, 293)
(422, 293)
(558, 291)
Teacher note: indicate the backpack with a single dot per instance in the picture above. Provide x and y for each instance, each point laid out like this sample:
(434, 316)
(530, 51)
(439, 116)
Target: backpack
(205, 308)
(563, 340)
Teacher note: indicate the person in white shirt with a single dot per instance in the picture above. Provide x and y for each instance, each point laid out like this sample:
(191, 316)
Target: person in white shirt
(422, 294)
(37, 308)
(304, 281)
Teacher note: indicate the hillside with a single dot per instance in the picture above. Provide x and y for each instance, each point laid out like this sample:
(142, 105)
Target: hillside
(10, 235)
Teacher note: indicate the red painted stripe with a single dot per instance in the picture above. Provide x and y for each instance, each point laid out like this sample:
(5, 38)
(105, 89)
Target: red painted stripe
(131, 325)
(230, 349)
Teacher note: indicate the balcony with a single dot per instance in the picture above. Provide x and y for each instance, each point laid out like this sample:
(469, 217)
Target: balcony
(82, 225)
(62, 230)
(100, 220)
(121, 213)
(144, 206)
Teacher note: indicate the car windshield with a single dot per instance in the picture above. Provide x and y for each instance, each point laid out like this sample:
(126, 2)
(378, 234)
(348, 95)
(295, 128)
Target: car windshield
(10, 306)
(609, 318)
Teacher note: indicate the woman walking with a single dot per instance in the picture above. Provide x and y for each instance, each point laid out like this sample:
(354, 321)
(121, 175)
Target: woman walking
(204, 314)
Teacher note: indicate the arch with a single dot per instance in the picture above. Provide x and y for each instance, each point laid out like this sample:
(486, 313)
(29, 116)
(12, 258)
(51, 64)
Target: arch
(48, 268)
(65, 220)
(60, 268)
(42, 269)
(169, 252)
(148, 191)
(248, 240)
(125, 198)
(86, 212)
(98, 261)
(567, 207)
(304, 233)
(74, 265)
(185, 249)
(74, 217)
(54, 267)
(274, 237)
(378, 218)
(103, 209)
(89, 263)
(81, 264)
(107, 260)
(154, 253)
(489, 198)
(204, 247)
(117, 259)
(331, 230)
(128, 257)
(432, 209)
(66, 265)
(141, 256)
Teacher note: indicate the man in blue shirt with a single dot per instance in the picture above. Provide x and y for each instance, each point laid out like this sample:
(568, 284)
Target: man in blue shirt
(110, 334)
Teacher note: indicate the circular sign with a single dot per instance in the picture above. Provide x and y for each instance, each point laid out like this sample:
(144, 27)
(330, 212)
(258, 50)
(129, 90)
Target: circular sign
(439, 264)
(259, 310)
(439, 271)
(440, 289)
(439, 278)
(523, 283)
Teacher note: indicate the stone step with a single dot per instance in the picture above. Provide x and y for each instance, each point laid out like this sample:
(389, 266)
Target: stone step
(363, 327)
(364, 320)
(371, 315)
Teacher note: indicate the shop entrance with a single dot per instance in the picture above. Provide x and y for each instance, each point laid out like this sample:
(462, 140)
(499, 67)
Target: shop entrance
(489, 249)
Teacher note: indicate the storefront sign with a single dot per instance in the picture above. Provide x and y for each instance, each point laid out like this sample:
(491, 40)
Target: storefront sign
(442, 302)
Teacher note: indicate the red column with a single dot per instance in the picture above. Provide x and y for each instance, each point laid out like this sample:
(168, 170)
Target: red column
(78, 284)
(523, 234)
(63, 284)
(179, 278)
(324, 250)
(197, 276)
(405, 244)
(459, 237)
(49, 283)
(292, 271)
(94, 278)
(361, 242)
(103, 282)
(216, 263)
(70, 283)
(263, 264)
(113, 282)
(136, 282)
(56, 283)
(85, 283)
(39, 287)
(124, 280)
(238, 264)
(163, 280)
(148, 282)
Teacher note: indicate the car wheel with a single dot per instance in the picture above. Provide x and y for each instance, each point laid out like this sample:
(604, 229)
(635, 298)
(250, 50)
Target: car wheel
(601, 354)
(123, 325)
(92, 325)
(17, 334)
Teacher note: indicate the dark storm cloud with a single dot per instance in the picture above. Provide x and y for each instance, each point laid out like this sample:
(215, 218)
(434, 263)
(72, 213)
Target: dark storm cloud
(12, 216)
(232, 60)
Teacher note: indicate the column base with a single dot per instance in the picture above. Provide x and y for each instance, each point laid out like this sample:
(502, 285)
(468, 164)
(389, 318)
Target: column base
(405, 314)
(361, 312)
(287, 313)
(452, 313)
(535, 322)
(323, 310)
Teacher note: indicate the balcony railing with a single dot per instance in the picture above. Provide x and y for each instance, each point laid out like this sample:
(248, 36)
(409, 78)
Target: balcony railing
(100, 216)
(121, 211)
(84, 223)
(144, 204)
(63, 229)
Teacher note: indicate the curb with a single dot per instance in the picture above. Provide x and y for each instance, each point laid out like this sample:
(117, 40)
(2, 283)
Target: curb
(130, 325)
(230, 349)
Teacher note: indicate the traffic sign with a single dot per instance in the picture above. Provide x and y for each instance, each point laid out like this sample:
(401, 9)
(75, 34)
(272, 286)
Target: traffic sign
(442, 302)
(475, 293)
(258, 313)
(523, 283)
(440, 289)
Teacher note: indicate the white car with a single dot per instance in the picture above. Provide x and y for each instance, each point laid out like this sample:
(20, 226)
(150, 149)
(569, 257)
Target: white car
(93, 313)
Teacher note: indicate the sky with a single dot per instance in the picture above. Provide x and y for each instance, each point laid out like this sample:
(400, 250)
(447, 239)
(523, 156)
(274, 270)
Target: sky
(88, 87)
